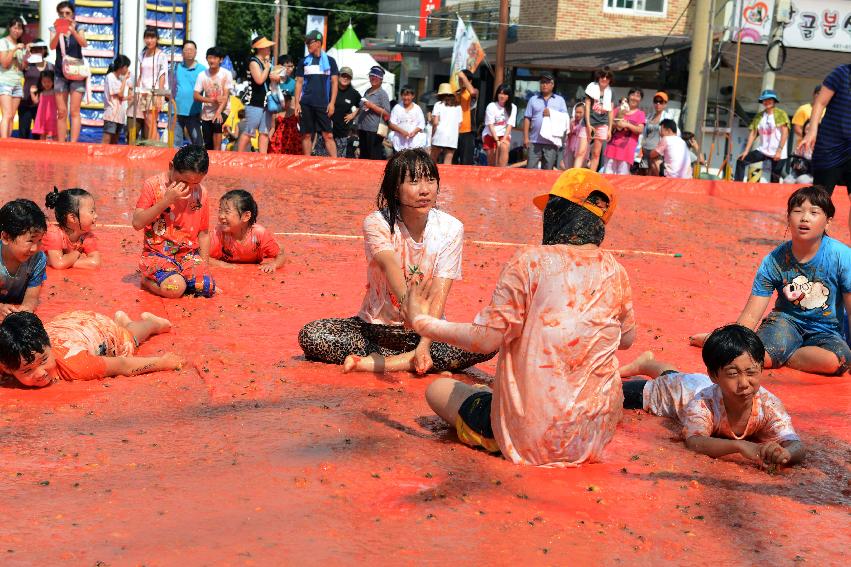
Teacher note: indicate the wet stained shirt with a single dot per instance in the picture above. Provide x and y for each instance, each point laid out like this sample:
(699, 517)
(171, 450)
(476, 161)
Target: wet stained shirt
(175, 232)
(437, 256)
(257, 245)
(557, 393)
(80, 340)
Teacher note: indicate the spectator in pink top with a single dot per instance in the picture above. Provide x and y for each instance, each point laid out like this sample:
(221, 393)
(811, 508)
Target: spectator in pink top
(620, 151)
(558, 314)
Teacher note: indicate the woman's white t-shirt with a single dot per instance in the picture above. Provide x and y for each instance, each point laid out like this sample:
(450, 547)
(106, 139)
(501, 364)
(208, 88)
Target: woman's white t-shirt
(437, 256)
(408, 120)
(497, 115)
(446, 133)
(151, 69)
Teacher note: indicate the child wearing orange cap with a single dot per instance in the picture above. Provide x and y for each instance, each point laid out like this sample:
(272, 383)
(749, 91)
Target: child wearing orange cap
(558, 314)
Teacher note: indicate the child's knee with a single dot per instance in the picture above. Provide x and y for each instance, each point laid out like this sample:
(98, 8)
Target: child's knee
(172, 287)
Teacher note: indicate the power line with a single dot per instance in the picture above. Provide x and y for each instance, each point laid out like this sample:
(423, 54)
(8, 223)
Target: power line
(344, 11)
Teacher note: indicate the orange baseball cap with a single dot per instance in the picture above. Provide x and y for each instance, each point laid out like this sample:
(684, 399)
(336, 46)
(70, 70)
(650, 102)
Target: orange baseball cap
(661, 94)
(576, 185)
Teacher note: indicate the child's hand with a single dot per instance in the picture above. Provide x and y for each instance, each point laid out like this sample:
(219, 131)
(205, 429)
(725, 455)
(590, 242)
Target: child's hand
(750, 451)
(698, 339)
(268, 268)
(415, 303)
(773, 453)
(6, 309)
(177, 191)
(171, 361)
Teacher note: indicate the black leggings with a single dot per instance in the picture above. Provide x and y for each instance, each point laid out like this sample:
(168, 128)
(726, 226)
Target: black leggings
(371, 145)
(332, 340)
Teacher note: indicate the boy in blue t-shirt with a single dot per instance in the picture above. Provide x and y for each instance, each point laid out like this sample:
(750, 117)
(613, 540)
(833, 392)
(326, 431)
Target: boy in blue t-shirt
(22, 263)
(812, 276)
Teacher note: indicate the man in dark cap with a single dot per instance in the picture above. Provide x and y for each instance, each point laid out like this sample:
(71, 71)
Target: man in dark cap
(541, 150)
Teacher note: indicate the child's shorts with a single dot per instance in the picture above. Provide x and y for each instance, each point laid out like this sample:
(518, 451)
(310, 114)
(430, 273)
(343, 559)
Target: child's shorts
(782, 336)
(474, 422)
(110, 127)
(158, 267)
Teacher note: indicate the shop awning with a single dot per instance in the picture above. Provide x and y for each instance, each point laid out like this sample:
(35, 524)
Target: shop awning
(617, 53)
(800, 63)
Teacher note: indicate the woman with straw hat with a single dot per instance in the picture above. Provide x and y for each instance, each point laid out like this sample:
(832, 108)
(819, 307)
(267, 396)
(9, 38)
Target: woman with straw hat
(445, 122)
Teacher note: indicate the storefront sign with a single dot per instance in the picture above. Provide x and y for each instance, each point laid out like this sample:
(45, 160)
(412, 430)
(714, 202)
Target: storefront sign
(815, 24)
(426, 8)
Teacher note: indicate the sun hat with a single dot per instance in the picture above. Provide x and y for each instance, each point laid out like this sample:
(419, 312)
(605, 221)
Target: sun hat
(261, 42)
(376, 71)
(445, 89)
(576, 185)
(313, 35)
(767, 94)
(347, 71)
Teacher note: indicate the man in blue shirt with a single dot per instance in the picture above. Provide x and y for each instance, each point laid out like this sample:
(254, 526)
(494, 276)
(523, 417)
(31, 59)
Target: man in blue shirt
(830, 139)
(541, 150)
(188, 109)
(316, 79)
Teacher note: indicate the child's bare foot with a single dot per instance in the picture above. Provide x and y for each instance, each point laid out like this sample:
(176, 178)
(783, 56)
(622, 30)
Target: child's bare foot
(163, 324)
(351, 363)
(698, 340)
(636, 367)
(122, 318)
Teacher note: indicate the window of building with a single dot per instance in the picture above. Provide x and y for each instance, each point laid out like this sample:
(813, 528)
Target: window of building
(637, 7)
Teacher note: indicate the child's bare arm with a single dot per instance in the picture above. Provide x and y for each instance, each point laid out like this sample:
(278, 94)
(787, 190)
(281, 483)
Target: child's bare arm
(753, 311)
(90, 261)
(390, 265)
(715, 447)
(204, 245)
(30, 301)
(269, 265)
(133, 365)
(144, 217)
(60, 261)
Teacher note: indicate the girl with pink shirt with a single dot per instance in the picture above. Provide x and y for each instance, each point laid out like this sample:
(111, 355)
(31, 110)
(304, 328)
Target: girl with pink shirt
(409, 242)
(629, 124)
(558, 314)
(576, 149)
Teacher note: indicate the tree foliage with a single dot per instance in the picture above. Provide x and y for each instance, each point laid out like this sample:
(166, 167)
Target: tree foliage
(236, 21)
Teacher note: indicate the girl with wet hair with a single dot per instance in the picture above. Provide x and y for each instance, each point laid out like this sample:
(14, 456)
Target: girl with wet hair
(70, 243)
(558, 314)
(409, 243)
(238, 239)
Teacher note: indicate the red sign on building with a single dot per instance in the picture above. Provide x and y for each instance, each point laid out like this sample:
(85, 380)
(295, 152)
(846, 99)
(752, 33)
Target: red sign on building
(426, 8)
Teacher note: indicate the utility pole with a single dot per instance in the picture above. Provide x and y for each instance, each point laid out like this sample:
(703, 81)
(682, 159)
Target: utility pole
(782, 15)
(501, 40)
(284, 29)
(698, 68)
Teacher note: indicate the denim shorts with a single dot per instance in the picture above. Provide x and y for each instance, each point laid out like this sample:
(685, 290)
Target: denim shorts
(63, 85)
(256, 118)
(14, 91)
(782, 336)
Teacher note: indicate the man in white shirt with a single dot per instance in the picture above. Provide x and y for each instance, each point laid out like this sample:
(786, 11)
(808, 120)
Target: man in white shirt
(673, 151)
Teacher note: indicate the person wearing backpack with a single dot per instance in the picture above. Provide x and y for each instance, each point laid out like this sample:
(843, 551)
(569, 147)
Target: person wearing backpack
(257, 117)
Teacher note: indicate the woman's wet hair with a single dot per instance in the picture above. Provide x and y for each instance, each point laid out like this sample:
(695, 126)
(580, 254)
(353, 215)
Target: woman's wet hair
(727, 343)
(243, 202)
(407, 165)
(66, 202)
(22, 338)
(565, 222)
(191, 159)
(20, 217)
(816, 195)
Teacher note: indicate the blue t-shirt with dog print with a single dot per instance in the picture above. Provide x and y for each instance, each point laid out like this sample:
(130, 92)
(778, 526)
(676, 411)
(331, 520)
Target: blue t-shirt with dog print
(811, 292)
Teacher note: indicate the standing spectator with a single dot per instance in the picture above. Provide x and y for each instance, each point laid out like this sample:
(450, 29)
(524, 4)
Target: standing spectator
(114, 99)
(801, 162)
(68, 38)
(467, 96)
(445, 121)
(12, 65)
(345, 112)
(830, 138)
(375, 107)
(652, 135)
(212, 90)
(258, 120)
(36, 63)
(576, 148)
(598, 114)
(287, 74)
(500, 117)
(153, 76)
(408, 123)
(620, 152)
(772, 127)
(45, 119)
(541, 150)
(188, 109)
(802, 115)
(316, 85)
(673, 151)
(694, 154)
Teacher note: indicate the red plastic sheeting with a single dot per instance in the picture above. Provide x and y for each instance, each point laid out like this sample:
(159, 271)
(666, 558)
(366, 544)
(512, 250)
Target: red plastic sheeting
(253, 456)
